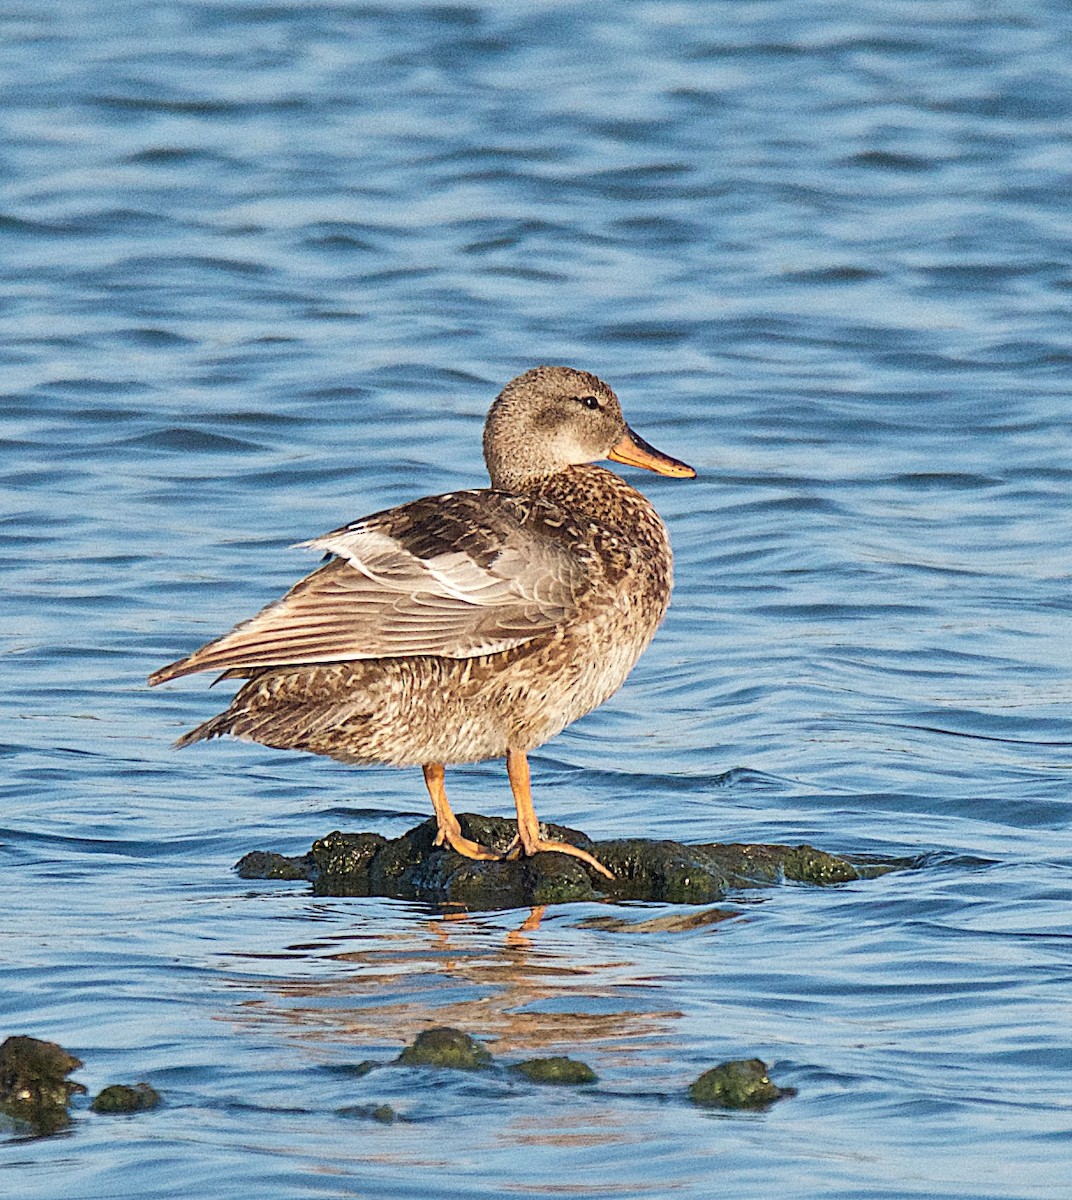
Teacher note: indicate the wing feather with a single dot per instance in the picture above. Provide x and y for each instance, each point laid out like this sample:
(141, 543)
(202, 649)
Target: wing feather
(456, 576)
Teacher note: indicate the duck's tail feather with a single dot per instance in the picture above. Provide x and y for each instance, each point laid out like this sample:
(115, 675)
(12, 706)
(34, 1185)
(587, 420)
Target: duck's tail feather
(213, 728)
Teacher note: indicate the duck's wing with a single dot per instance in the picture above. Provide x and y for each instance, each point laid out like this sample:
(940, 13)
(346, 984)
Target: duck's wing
(456, 576)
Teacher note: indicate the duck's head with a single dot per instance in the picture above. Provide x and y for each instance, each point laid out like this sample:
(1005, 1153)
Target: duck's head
(551, 418)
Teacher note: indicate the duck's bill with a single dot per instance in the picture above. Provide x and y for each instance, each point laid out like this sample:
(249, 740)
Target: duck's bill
(635, 452)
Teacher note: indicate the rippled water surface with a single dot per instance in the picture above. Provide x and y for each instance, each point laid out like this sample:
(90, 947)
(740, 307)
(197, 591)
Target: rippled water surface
(263, 268)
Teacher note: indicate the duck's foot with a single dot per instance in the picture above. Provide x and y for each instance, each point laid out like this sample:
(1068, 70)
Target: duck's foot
(542, 844)
(515, 850)
(457, 841)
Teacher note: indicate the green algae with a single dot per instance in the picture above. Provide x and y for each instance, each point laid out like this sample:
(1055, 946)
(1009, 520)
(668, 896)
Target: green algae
(34, 1088)
(266, 864)
(121, 1098)
(675, 922)
(668, 872)
(558, 1070)
(340, 863)
(748, 865)
(413, 867)
(382, 1114)
(445, 1047)
(742, 1083)
(357, 1070)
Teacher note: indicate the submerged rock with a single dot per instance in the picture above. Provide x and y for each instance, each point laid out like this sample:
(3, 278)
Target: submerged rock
(413, 867)
(555, 1070)
(356, 1070)
(34, 1088)
(742, 1083)
(266, 864)
(673, 922)
(121, 1098)
(383, 1114)
(445, 1047)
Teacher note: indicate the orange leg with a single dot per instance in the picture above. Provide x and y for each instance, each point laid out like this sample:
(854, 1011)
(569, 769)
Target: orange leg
(528, 825)
(449, 829)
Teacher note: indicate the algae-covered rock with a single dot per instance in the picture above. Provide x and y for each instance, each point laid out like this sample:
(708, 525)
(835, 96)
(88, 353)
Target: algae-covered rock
(356, 1070)
(383, 1114)
(445, 1047)
(342, 862)
(121, 1098)
(559, 1070)
(413, 867)
(34, 1088)
(742, 1083)
(674, 922)
(664, 871)
(266, 864)
(748, 865)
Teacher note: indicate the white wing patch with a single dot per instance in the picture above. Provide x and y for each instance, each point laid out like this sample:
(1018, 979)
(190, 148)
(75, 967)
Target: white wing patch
(384, 561)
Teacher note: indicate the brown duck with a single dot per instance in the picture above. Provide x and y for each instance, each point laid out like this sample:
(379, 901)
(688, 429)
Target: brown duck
(469, 626)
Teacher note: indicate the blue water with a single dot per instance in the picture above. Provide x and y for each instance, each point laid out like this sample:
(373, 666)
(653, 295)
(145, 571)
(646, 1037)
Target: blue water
(264, 265)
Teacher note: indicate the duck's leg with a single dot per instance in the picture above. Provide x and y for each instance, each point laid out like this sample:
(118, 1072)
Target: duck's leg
(528, 825)
(449, 829)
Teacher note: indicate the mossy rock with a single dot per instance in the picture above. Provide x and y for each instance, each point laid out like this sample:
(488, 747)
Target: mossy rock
(34, 1088)
(669, 872)
(342, 862)
(676, 921)
(445, 1047)
(121, 1098)
(266, 864)
(413, 867)
(382, 1114)
(742, 1083)
(749, 865)
(558, 1070)
(356, 1070)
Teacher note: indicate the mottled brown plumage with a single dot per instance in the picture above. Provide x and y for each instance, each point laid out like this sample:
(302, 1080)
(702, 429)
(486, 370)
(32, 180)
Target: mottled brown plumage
(468, 626)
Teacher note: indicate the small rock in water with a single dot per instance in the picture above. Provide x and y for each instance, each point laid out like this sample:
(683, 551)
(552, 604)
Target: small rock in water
(266, 864)
(357, 1070)
(120, 1098)
(34, 1088)
(676, 922)
(445, 1047)
(742, 1083)
(382, 1113)
(555, 1070)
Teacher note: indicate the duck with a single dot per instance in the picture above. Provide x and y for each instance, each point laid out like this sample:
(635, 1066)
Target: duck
(470, 626)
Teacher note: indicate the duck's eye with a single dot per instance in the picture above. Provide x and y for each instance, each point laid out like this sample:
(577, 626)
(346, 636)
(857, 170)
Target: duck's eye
(589, 402)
